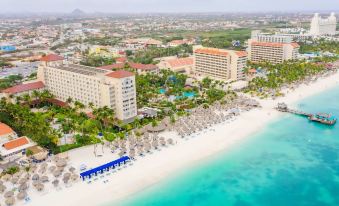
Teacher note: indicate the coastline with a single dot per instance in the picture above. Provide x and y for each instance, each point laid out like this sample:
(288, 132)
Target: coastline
(151, 169)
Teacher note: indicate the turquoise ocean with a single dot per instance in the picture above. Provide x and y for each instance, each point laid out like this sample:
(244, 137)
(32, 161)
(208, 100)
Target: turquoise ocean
(292, 162)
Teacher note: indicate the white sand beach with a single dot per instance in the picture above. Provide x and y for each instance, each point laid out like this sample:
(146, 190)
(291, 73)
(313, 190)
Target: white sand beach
(155, 167)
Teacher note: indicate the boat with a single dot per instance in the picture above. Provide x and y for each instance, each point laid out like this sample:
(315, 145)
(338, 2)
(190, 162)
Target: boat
(323, 118)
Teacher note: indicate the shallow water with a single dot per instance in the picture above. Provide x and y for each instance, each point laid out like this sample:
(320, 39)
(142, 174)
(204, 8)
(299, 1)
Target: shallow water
(291, 162)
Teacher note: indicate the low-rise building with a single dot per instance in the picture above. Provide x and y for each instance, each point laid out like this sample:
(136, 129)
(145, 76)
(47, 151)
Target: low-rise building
(15, 148)
(182, 65)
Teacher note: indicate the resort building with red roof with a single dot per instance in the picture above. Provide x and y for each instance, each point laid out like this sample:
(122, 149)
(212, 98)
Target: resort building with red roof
(271, 48)
(89, 85)
(221, 64)
(6, 132)
(15, 148)
(182, 65)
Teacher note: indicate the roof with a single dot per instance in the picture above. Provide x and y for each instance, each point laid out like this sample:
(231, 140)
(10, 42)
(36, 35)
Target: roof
(113, 66)
(241, 53)
(139, 66)
(120, 74)
(16, 143)
(121, 59)
(24, 87)
(274, 44)
(212, 51)
(267, 44)
(136, 66)
(51, 58)
(188, 61)
(5, 129)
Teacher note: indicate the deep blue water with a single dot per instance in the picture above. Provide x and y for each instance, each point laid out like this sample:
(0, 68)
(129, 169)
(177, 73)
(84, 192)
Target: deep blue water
(291, 162)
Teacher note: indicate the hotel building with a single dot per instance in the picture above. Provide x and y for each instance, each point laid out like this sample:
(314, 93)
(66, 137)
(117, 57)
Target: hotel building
(271, 48)
(87, 85)
(219, 64)
(322, 26)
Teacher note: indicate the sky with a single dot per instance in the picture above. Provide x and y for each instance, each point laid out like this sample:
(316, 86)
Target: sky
(144, 6)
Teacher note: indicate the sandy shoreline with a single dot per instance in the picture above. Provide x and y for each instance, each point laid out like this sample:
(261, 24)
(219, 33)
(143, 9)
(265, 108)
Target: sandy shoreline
(153, 168)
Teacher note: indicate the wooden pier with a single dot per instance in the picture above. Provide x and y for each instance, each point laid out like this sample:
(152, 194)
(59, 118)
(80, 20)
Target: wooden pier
(320, 117)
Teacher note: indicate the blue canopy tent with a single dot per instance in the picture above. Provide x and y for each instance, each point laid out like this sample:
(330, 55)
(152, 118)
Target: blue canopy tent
(104, 167)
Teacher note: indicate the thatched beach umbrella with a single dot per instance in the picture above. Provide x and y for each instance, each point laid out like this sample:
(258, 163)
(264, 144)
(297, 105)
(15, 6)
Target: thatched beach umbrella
(22, 181)
(66, 179)
(9, 194)
(170, 141)
(40, 187)
(42, 170)
(27, 176)
(35, 177)
(57, 173)
(21, 195)
(52, 168)
(74, 177)
(10, 201)
(6, 177)
(67, 175)
(44, 165)
(61, 163)
(55, 182)
(14, 180)
(71, 169)
(35, 183)
(2, 188)
(44, 178)
(23, 187)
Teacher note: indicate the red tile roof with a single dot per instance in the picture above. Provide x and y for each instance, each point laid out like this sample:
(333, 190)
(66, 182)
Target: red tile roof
(136, 66)
(121, 60)
(188, 61)
(241, 53)
(295, 45)
(5, 129)
(113, 66)
(212, 51)
(139, 66)
(120, 74)
(24, 87)
(16, 143)
(51, 58)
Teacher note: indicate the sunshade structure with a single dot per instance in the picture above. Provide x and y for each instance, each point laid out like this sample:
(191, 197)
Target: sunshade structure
(104, 167)
(21, 195)
(9, 194)
(10, 201)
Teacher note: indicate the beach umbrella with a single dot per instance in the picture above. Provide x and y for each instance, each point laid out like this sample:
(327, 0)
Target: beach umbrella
(35, 183)
(42, 170)
(39, 186)
(6, 177)
(10, 201)
(44, 165)
(170, 141)
(56, 173)
(22, 181)
(27, 176)
(65, 179)
(52, 168)
(14, 180)
(44, 179)
(35, 177)
(21, 195)
(67, 175)
(9, 194)
(2, 188)
(1, 182)
(23, 187)
(55, 182)
(61, 163)
(71, 169)
(74, 177)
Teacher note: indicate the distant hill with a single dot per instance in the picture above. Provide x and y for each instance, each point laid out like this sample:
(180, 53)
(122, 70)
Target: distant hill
(78, 12)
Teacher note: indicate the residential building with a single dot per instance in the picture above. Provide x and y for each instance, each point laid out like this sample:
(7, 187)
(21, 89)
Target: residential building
(101, 87)
(323, 26)
(182, 65)
(220, 64)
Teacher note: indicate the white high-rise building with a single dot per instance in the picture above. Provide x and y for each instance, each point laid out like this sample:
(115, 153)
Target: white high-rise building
(321, 26)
